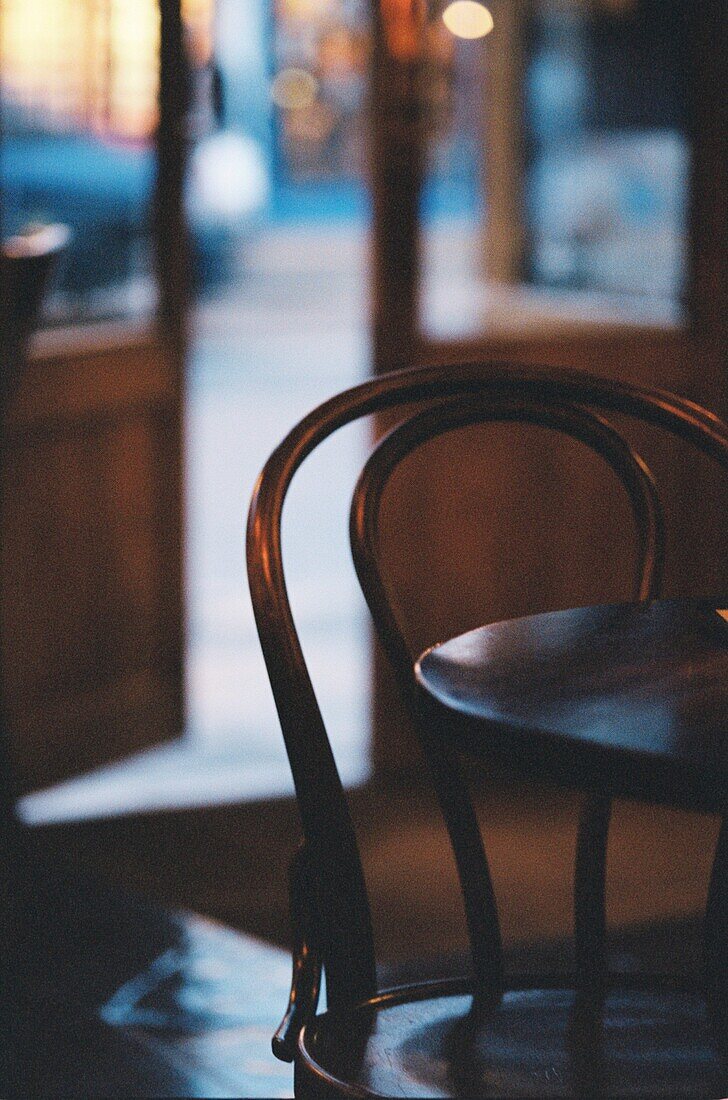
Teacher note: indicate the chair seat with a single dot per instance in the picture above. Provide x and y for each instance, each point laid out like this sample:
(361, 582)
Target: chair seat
(416, 1041)
(628, 698)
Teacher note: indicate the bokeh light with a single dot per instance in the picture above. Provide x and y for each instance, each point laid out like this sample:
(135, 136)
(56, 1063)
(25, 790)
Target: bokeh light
(293, 89)
(467, 19)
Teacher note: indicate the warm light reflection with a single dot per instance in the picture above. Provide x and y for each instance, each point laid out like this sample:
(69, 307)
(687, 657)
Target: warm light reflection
(197, 16)
(403, 23)
(305, 9)
(467, 19)
(91, 64)
(133, 49)
(293, 89)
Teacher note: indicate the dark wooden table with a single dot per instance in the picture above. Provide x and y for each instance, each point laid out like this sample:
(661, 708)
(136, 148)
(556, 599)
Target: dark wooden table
(624, 700)
(631, 699)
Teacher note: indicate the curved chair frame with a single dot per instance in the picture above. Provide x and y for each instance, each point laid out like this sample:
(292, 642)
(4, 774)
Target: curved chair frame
(328, 894)
(463, 828)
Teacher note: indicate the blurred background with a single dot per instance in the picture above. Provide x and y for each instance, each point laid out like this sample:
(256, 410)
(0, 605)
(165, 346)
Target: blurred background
(276, 121)
(581, 108)
(269, 200)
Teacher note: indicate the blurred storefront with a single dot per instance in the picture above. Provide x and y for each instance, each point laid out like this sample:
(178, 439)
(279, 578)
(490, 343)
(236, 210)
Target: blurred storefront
(593, 155)
(548, 218)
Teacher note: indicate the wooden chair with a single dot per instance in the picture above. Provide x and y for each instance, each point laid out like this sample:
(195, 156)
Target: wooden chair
(26, 262)
(472, 1036)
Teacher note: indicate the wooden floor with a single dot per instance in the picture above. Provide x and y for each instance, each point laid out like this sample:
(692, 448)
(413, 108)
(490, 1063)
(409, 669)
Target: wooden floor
(121, 998)
(230, 862)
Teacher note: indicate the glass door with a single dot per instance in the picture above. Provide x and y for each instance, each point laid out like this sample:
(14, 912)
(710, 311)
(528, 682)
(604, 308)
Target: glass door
(95, 100)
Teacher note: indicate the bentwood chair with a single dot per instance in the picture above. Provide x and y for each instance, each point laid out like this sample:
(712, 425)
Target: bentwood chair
(587, 1034)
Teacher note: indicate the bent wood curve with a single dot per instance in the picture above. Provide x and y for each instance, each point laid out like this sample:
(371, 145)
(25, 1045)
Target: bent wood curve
(347, 942)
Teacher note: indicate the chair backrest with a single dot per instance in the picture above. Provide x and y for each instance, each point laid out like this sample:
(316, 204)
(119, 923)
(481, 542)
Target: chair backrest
(568, 401)
(26, 261)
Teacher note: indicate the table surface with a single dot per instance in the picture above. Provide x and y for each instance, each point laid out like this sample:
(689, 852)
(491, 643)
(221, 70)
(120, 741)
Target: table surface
(630, 698)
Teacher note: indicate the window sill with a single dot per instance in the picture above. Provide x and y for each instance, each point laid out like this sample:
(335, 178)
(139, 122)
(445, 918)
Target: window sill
(484, 310)
(177, 776)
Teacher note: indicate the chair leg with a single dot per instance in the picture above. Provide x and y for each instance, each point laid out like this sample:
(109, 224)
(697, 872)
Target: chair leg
(586, 1046)
(481, 912)
(306, 977)
(715, 931)
(590, 922)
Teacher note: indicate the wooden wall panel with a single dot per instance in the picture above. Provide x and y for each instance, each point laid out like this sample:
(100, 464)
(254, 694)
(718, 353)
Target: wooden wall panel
(91, 608)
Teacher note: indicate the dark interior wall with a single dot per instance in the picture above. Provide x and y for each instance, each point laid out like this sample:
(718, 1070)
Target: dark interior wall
(639, 65)
(91, 611)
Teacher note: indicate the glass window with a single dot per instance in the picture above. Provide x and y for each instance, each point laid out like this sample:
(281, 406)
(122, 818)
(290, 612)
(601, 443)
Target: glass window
(320, 55)
(80, 85)
(557, 166)
(452, 87)
(79, 89)
(606, 157)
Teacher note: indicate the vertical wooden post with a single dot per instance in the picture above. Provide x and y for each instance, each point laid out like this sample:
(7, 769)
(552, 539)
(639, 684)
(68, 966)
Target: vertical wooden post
(396, 172)
(174, 279)
(504, 143)
(170, 230)
(707, 290)
(397, 135)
